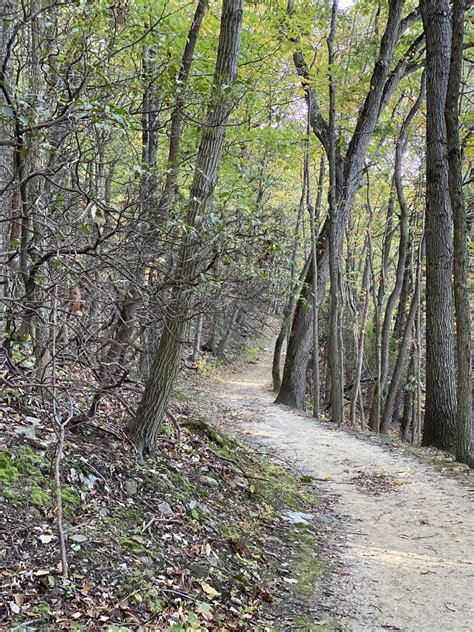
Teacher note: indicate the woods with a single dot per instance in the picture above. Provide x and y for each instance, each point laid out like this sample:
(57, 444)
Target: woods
(178, 178)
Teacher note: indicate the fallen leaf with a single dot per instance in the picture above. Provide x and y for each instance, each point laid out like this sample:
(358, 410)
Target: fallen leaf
(267, 597)
(86, 587)
(45, 538)
(211, 592)
(14, 607)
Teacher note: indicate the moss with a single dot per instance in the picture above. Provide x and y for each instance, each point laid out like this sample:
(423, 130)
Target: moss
(307, 565)
(9, 472)
(71, 500)
(39, 497)
(10, 493)
(25, 459)
(153, 602)
(133, 547)
(130, 516)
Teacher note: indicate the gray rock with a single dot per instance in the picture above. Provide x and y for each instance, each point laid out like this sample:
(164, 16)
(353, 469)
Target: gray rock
(165, 509)
(208, 480)
(79, 537)
(34, 421)
(131, 487)
(297, 517)
(196, 504)
(198, 570)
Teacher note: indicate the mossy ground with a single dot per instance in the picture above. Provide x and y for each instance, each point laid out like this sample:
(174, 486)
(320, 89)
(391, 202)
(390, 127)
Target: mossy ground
(154, 543)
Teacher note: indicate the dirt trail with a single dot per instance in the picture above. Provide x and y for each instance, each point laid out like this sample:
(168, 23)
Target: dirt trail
(409, 551)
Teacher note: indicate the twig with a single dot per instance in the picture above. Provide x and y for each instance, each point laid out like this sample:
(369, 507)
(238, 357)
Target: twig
(59, 429)
(174, 423)
(59, 501)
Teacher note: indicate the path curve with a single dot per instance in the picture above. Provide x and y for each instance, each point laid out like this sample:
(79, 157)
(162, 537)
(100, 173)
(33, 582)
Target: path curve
(409, 553)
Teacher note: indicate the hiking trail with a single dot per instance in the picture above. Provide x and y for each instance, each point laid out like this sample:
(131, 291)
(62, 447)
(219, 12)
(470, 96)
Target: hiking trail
(406, 530)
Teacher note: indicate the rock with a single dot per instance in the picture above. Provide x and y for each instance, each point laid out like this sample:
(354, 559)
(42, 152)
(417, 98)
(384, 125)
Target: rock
(198, 570)
(297, 517)
(165, 509)
(25, 432)
(196, 504)
(79, 537)
(240, 482)
(131, 487)
(208, 480)
(34, 421)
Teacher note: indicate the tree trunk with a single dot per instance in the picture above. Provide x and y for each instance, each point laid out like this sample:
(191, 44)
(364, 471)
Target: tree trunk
(402, 351)
(292, 392)
(359, 338)
(335, 319)
(290, 306)
(145, 428)
(224, 342)
(314, 224)
(7, 142)
(440, 413)
(171, 178)
(197, 338)
(464, 446)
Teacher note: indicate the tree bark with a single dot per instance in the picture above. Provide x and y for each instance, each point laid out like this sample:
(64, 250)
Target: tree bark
(335, 363)
(292, 392)
(464, 442)
(146, 426)
(359, 338)
(7, 138)
(314, 224)
(176, 128)
(440, 412)
(403, 348)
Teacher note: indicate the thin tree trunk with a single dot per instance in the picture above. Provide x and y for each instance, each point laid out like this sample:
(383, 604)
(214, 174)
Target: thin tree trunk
(314, 224)
(224, 342)
(402, 351)
(464, 445)
(359, 340)
(290, 306)
(286, 321)
(403, 242)
(171, 178)
(335, 319)
(7, 138)
(145, 428)
(197, 338)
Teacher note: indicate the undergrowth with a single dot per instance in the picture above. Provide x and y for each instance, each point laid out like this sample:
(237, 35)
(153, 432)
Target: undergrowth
(191, 539)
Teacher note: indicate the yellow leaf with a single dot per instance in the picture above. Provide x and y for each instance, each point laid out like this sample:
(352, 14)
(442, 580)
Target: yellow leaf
(211, 592)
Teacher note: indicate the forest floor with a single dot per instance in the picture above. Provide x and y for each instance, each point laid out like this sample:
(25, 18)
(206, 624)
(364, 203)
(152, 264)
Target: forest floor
(403, 527)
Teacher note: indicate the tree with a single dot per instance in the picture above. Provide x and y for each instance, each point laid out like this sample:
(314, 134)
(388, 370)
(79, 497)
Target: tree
(465, 426)
(146, 425)
(348, 178)
(7, 142)
(440, 410)
(335, 362)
